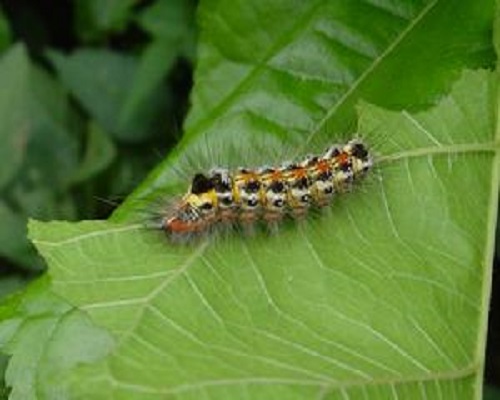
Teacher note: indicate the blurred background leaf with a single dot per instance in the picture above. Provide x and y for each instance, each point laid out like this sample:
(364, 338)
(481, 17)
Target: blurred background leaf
(491, 393)
(5, 35)
(102, 81)
(39, 152)
(95, 19)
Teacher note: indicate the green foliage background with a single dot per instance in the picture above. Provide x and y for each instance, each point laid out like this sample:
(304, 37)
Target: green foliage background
(384, 297)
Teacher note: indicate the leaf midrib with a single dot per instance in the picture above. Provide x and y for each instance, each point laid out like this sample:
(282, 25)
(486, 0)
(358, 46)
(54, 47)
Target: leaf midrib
(486, 147)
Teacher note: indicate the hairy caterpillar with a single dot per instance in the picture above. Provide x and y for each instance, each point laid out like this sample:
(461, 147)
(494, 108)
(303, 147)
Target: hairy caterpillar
(243, 196)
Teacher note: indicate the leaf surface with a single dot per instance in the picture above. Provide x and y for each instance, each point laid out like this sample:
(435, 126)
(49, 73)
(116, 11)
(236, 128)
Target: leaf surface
(385, 296)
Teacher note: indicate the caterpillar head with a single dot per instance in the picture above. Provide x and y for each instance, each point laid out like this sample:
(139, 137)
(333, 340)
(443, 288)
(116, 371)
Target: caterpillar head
(360, 158)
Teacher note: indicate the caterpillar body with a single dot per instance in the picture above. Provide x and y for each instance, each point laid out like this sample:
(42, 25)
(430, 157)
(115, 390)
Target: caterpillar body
(244, 196)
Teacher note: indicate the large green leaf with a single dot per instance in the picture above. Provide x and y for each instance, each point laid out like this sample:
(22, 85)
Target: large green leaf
(383, 297)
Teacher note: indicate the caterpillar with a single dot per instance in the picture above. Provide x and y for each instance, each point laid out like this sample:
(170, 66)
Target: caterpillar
(244, 196)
